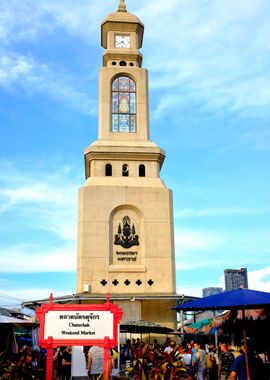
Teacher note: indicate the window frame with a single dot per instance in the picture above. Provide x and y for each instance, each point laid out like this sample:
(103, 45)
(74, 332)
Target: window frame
(117, 117)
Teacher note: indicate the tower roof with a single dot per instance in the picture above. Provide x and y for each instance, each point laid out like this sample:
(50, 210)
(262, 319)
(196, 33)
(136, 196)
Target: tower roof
(123, 19)
(121, 15)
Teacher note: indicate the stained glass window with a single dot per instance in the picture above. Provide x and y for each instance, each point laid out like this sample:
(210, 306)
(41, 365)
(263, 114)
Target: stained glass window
(123, 105)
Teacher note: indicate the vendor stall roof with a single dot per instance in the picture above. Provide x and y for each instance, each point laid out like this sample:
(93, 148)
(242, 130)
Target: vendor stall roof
(88, 297)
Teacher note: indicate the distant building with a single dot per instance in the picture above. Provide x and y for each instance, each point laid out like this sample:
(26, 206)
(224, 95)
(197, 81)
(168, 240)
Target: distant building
(235, 278)
(210, 291)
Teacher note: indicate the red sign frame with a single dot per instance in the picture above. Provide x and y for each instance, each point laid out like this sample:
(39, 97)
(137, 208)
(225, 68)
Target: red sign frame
(51, 343)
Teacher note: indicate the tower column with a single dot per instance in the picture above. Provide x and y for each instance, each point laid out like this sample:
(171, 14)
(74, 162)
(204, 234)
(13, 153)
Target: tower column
(125, 222)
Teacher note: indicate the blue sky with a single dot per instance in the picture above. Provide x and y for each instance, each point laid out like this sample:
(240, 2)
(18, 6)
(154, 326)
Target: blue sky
(209, 83)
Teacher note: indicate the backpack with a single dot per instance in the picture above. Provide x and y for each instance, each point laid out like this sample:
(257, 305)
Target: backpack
(210, 361)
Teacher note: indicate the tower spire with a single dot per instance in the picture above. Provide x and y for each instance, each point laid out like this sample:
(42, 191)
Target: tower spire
(122, 6)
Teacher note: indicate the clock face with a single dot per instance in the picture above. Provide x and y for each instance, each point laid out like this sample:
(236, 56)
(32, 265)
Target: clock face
(122, 41)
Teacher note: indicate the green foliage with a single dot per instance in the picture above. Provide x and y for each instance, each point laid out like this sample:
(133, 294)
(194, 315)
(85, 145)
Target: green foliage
(159, 366)
(10, 370)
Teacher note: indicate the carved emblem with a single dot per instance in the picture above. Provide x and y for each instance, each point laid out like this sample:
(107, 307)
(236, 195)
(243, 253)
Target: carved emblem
(126, 236)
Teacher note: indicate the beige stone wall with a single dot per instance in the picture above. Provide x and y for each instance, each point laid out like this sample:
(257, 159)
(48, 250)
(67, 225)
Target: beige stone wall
(159, 311)
(132, 310)
(101, 209)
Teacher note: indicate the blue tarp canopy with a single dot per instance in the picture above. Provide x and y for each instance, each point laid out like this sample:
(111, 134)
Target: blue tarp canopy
(233, 299)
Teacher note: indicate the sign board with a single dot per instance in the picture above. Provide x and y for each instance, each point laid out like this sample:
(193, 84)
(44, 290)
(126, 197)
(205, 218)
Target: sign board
(74, 325)
(78, 324)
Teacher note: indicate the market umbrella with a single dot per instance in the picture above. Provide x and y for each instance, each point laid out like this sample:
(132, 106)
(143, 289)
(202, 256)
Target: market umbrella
(231, 300)
(143, 326)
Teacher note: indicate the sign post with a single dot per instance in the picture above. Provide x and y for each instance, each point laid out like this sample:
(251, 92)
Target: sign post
(49, 359)
(79, 325)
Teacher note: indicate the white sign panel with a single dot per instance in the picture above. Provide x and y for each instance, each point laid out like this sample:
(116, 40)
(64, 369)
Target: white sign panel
(78, 324)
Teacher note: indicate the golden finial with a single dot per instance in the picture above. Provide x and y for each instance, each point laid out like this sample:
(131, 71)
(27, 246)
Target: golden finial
(122, 6)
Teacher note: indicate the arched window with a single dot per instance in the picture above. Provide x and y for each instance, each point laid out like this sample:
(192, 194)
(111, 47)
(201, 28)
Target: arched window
(108, 170)
(125, 170)
(123, 105)
(141, 170)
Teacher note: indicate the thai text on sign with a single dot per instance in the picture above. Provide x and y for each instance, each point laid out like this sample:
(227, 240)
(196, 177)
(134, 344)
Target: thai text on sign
(78, 325)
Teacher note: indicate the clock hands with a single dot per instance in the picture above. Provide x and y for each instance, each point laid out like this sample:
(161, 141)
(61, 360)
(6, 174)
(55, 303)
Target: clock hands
(122, 41)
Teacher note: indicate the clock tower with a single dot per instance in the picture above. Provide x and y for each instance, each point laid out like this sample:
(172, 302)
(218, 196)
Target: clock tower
(125, 222)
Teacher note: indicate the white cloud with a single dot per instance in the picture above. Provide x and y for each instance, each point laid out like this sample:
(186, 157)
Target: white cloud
(218, 249)
(49, 197)
(13, 69)
(43, 203)
(7, 300)
(191, 246)
(189, 290)
(36, 258)
(259, 279)
(216, 54)
(19, 70)
(28, 20)
(216, 212)
(36, 193)
(186, 239)
(80, 19)
(34, 293)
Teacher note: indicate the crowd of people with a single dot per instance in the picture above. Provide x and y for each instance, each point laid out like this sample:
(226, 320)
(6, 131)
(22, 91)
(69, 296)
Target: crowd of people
(196, 361)
(27, 362)
(167, 361)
